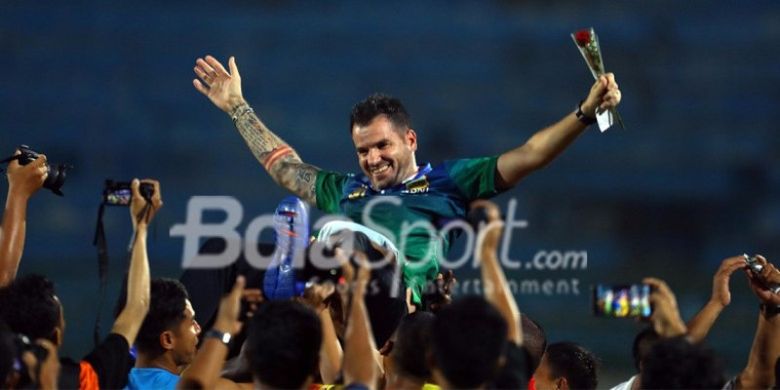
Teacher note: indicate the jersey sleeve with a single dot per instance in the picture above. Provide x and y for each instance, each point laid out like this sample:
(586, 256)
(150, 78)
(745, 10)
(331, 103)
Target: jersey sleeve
(329, 189)
(474, 177)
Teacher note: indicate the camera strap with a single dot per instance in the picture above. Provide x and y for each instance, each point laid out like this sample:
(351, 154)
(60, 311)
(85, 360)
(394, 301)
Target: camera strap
(99, 241)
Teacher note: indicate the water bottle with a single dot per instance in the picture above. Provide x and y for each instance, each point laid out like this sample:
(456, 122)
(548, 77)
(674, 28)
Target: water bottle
(291, 225)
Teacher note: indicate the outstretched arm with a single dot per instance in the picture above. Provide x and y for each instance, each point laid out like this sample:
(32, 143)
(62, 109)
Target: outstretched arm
(129, 320)
(359, 368)
(280, 160)
(549, 142)
(700, 325)
(23, 182)
(497, 290)
(760, 370)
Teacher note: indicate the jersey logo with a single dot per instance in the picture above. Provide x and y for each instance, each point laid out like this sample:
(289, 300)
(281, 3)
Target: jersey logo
(357, 193)
(417, 186)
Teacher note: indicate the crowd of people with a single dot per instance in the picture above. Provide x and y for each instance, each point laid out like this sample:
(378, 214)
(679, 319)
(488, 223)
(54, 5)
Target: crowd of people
(354, 332)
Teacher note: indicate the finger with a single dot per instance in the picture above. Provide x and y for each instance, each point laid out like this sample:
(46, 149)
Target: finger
(157, 195)
(202, 75)
(238, 288)
(233, 67)
(658, 284)
(206, 67)
(200, 87)
(253, 295)
(40, 161)
(48, 346)
(134, 185)
(217, 66)
(610, 77)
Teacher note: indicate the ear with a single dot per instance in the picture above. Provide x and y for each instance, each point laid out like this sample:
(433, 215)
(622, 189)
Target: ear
(167, 340)
(562, 383)
(410, 138)
(58, 336)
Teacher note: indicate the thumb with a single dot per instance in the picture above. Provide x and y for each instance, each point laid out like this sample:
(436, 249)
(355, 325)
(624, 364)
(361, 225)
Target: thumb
(233, 67)
(134, 185)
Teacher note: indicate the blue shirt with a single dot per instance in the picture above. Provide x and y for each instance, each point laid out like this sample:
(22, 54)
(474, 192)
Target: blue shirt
(151, 378)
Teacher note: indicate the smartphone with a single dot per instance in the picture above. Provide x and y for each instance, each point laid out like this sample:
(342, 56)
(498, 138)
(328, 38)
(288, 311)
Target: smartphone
(622, 301)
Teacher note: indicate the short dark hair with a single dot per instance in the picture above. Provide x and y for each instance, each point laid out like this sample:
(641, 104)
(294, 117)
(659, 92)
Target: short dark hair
(379, 104)
(28, 305)
(8, 352)
(643, 343)
(534, 340)
(283, 344)
(573, 362)
(677, 364)
(411, 345)
(166, 311)
(468, 362)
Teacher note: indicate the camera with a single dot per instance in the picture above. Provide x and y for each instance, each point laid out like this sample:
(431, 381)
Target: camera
(756, 268)
(119, 193)
(56, 173)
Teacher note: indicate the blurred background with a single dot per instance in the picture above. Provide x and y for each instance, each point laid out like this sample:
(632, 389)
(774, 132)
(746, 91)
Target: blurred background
(107, 87)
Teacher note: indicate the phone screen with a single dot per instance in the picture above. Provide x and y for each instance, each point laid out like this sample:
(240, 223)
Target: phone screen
(622, 301)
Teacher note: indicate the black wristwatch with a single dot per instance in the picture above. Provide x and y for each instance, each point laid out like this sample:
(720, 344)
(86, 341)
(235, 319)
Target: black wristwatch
(769, 311)
(586, 120)
(223, 337)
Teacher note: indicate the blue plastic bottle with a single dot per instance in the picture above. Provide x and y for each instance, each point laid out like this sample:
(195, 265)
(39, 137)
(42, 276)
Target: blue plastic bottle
(291, 224)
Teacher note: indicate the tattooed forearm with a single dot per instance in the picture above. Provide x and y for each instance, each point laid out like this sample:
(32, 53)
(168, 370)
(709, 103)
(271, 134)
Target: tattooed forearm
(279, 159)
(300, 178)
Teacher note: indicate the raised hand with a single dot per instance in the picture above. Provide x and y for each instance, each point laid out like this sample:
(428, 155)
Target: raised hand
(666, 316)
(720, 282)
(759, 283)
(25, 180)
(138, 202)
(604, 95)
(223, 88)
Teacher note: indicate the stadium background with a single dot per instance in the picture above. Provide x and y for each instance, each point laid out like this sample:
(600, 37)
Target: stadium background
(106, 86)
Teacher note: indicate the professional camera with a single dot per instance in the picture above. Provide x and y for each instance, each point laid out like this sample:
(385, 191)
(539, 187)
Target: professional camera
(57, 173)
(119, 193)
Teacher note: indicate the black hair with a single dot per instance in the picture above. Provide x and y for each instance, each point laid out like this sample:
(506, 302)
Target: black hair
(29, 307)
(573, 362)
(468, 362)
(643, 343)
(677, 364)
(8, 353)
(534, 340)
(379, 104)
(411, 345)
(283, 344)
(166, 311)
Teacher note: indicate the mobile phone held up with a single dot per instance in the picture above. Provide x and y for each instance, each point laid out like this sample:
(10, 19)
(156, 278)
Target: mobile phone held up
(622, 301)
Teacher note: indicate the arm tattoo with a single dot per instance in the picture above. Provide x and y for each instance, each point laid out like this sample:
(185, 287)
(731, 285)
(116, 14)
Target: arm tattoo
(279, 159)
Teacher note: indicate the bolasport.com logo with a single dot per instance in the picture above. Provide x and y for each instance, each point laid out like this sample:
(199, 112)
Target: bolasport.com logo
(194, 230)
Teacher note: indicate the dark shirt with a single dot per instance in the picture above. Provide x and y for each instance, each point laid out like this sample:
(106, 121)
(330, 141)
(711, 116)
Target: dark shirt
(110, 361)
(516, 371)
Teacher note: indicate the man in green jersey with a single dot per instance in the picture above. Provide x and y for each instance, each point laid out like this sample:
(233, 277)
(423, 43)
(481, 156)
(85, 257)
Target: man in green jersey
(395, 200)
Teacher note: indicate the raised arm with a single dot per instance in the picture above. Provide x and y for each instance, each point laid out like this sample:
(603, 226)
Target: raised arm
(699, 326)
(280, 160)
(549, 142)
(760, 370)
(204, 372)
(23, 182)
(359, 367)
(129, 320)
(496, 288)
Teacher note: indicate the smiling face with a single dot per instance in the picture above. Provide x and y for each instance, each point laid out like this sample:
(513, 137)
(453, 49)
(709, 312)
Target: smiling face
(385, 153)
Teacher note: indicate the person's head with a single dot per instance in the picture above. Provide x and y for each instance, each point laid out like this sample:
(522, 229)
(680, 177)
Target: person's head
(534, 340)
(29, 306)
(169, 327)
(283, 344)
(643, 343)
(384, 140)
(677, 364)
(468, 337)
(566, 366)
(411, 346)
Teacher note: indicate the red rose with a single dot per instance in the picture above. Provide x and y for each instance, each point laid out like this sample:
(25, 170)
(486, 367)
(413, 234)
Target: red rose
(582, 37)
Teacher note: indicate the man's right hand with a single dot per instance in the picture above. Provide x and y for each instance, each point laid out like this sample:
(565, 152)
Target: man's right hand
(221, 87)
(758, 282)
(721, 294)
(666, 316)
(25, 180)
(137, 203)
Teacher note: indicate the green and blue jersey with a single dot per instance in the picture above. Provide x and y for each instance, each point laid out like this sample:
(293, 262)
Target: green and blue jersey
(413, 213)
